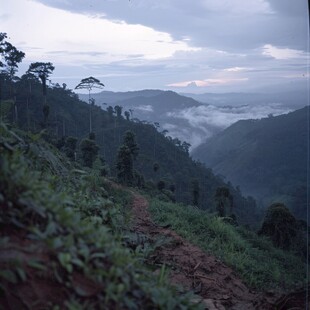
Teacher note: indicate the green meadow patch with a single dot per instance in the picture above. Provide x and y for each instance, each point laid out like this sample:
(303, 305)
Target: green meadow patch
(253, 257)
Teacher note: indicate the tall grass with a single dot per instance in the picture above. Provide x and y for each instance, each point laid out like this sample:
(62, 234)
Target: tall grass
(254, 258)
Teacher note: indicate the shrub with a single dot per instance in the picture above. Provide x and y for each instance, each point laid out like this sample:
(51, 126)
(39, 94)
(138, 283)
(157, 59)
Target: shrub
(89, 150)
(161, 185)
(279, 225)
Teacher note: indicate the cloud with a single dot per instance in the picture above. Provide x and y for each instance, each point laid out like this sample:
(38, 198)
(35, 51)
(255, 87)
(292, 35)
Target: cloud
(144, 108)
(207, 82)
(196, 124)
(219, 46)
(236, 69)
(85, 38)
(222, 117)
(225, 25)
(282, 53)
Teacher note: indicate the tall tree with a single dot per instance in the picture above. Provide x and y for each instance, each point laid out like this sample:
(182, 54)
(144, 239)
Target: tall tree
(89, 83)
(195, 191)
(279, 225)
(222, 195)
(130, 142)
(110, 111)
(124, 165)
(10, 57)
(42, 70)
(89, 150)
(118, 111)
(127, 153)
(156, 167)
(127, 115)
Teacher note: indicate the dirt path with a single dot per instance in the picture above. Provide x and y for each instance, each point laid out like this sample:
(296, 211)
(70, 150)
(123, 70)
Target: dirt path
(217, 284)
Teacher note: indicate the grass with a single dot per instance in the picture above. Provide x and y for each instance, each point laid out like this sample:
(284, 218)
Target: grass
(254, 258)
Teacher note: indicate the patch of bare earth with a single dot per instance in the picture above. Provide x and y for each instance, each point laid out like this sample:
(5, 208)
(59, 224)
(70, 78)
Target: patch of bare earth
(216, 284)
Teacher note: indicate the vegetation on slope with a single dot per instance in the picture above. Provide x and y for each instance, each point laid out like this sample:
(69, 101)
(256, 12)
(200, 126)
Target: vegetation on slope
(267, 158)
(253, 257)
(69, 117)
(62, 236)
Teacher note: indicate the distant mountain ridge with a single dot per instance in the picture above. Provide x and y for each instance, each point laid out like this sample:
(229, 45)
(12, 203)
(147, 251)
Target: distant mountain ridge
(156, 106)
(183, 116)
(267, 157)
(292, 99)
(111, 97)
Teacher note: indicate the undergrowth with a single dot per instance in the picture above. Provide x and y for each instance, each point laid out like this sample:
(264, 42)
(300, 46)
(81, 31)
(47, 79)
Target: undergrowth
(257, 261)
(67, 225)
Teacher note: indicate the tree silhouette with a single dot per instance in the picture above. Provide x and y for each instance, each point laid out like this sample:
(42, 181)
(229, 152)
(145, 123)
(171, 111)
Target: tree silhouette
(130, 142)
(124, 165)
(89, 83)
(10, 57)
(195, 191)
(42, 70)
(127, 153)
(156, 167)
(279, 225)
(118, 111)
(221, 196)
(110, 111)
(70, 147)
(127, 115)
(89, 150)
(161, 185)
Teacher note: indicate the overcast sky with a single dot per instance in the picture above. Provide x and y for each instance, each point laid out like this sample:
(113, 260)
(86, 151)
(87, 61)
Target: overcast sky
(183, 45)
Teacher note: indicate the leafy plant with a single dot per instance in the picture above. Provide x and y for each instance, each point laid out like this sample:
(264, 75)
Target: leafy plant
(71, 222)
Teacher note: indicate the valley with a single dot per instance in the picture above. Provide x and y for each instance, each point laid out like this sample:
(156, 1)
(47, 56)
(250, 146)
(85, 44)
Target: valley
(154, 155)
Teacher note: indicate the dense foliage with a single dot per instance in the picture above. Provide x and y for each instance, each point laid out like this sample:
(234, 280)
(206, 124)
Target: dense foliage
(280, 225)
(63, 237)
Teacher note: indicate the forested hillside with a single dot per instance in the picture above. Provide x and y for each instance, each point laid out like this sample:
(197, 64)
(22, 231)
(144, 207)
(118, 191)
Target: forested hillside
(267, 158)
(99, 210)
(68, 116)
(167, 108)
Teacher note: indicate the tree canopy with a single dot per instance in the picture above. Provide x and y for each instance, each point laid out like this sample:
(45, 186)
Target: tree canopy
(89, 83)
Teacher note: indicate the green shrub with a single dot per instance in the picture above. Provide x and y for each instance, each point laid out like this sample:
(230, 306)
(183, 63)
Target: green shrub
(279, 225)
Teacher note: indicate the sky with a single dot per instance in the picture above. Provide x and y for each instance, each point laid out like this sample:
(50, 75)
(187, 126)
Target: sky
(183, 45)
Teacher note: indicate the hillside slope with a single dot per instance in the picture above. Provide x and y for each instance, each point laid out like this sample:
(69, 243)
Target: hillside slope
(68, 116)
(64, 238)
(67, 242)
(165, 107)
(267, 157)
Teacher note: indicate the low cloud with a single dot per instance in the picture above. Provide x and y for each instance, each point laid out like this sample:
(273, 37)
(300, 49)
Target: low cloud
(283, 53)
(207, 82)
(209, 119)
(144, 108)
